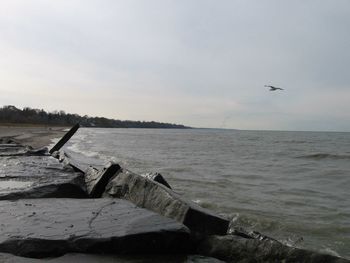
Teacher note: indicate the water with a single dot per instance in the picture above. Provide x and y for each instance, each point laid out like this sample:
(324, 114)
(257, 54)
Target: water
(293, 186)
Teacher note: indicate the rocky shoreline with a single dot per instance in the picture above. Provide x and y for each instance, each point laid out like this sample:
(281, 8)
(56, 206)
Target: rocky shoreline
(55, 208)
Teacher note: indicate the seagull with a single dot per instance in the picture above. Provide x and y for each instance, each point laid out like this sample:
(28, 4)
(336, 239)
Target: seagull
(272, 88)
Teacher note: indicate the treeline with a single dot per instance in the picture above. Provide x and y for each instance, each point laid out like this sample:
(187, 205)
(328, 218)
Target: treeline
(11, 114)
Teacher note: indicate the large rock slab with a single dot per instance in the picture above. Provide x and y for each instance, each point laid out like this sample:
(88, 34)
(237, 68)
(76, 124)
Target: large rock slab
(9, 147)
(38, 176)
(77, 161)
(96, 180)
(52, 227)
(154, 196)
(93, 258)
(96, 175)
(232, 248)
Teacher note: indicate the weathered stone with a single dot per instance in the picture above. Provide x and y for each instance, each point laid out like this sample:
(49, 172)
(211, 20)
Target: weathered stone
(53, 227)
(19, 150)
(11, 148)
(232, 248)
(9, 145)
(93, 258)
(156, 197)
(96, 180)
(78, 162)
(241, 232)
(38, 176)
(96, 175)
(157, 177)
(8, 140)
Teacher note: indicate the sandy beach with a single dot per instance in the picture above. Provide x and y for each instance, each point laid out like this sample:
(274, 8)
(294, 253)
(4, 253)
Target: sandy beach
(35, 136)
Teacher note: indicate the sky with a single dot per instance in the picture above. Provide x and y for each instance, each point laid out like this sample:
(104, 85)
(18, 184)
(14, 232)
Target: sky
(201, 63)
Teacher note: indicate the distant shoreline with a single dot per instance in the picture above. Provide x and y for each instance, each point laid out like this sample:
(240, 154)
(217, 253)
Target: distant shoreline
(14, 115)
(40, 135)
(36, 125)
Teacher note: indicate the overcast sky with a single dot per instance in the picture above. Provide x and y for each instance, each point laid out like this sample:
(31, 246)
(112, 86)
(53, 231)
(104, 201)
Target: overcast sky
(199, 63)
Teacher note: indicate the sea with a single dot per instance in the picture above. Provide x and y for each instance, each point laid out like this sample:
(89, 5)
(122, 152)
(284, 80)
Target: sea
(289, 185)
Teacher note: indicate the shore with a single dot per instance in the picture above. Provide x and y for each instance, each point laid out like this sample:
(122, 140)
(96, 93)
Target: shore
(35, 136)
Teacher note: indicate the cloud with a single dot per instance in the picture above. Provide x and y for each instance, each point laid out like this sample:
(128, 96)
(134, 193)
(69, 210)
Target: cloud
(199, 63)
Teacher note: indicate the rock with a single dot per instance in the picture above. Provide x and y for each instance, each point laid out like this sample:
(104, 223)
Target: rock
(157, 177)
(96, 180)
(93, 258)
(78, 162)
(232, 248)
(53, 227)
(8, 140)
(9, 145)
(239, 231)
(38, 176)
(158, 198)
(15, 149)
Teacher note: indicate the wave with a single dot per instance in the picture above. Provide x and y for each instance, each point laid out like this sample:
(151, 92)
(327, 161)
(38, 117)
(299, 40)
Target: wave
(320, 156)
(77, 149)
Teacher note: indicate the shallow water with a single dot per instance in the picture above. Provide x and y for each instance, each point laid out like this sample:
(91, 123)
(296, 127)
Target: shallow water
(293, 186)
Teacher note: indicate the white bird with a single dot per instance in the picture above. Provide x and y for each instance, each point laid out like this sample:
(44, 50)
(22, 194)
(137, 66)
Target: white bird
(273, 88)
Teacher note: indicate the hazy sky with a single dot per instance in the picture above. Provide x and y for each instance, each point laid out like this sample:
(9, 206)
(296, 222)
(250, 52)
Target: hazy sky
(199, 63)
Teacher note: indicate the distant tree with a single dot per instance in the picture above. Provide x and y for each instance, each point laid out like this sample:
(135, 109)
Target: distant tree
(11, 114)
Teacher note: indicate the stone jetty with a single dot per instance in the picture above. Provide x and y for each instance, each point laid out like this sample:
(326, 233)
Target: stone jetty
(58, 207)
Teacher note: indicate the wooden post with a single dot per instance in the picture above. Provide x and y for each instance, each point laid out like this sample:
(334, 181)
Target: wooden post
(65, 138)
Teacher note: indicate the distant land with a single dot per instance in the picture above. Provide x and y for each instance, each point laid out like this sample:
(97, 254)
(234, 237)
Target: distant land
(12, 115)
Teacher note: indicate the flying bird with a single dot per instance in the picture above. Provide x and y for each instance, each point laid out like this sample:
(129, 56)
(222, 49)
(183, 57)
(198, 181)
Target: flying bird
(273, 88)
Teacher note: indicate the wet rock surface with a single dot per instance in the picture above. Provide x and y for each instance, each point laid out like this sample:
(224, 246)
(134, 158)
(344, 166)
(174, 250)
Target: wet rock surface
(96, 180)
(156, 197)
(32, 173)
(78, 162)
(10, 147)
(95, 258)
(157, 177)
(13, 149)
(232, 248)
(42, 228)
(38, 176)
